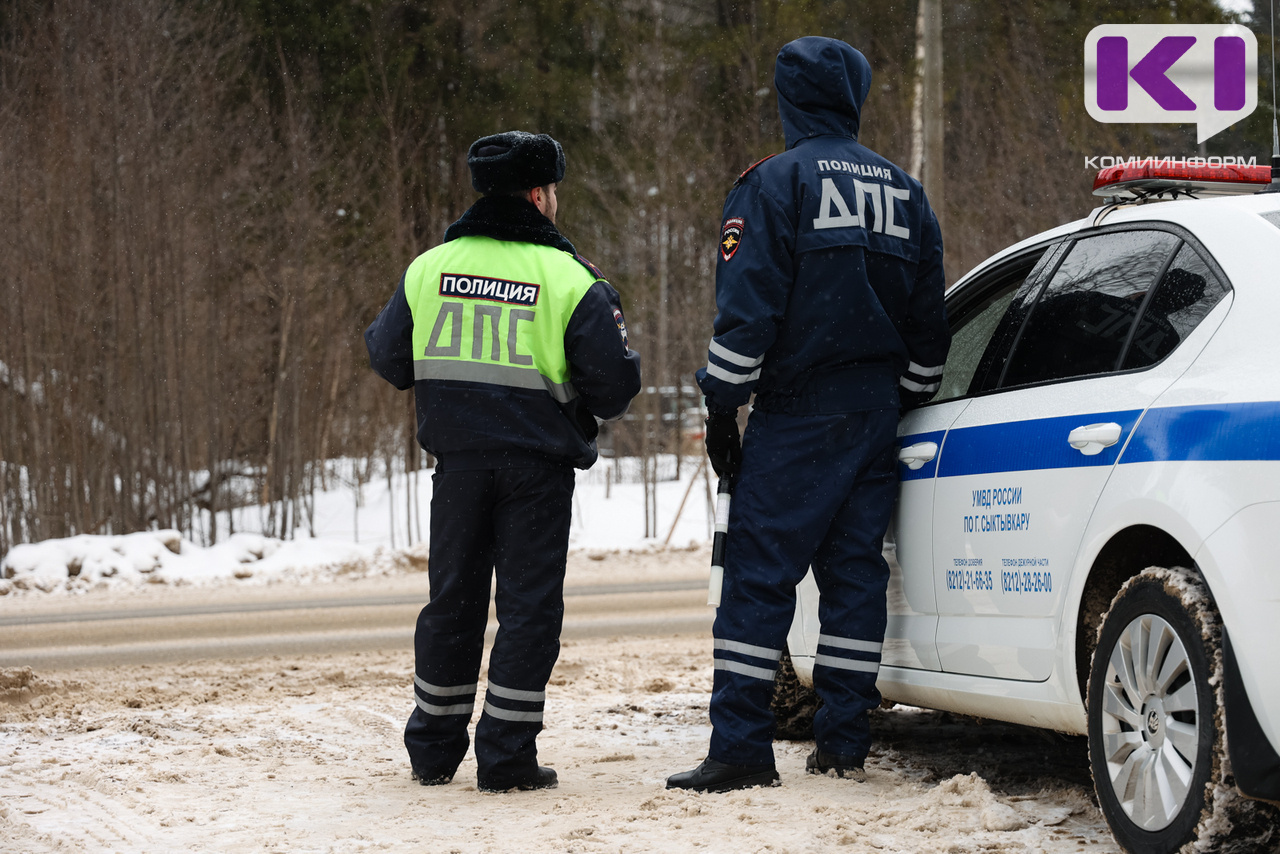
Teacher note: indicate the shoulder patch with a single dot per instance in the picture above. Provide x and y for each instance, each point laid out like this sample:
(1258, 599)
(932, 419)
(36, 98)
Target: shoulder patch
(731, 236)
(747, 171)
(595, 271)
(622, 326)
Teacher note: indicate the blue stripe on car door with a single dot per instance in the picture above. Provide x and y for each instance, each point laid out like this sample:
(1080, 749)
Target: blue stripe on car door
(1032, 445)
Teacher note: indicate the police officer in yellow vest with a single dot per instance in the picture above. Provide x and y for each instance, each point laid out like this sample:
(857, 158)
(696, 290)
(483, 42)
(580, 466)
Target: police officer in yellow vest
(514, 345)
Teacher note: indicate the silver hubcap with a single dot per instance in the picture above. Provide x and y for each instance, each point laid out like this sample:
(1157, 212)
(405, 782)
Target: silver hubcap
(1150, 722)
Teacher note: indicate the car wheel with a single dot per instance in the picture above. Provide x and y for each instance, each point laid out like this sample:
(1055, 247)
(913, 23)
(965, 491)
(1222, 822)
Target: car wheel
(794, 703)
(1157, 746)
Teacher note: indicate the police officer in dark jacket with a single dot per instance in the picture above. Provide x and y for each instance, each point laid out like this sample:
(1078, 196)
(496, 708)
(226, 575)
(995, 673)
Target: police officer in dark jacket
(829, 289)
(513, 345)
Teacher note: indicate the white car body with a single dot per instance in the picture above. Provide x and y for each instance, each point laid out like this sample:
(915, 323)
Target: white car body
(999, 573)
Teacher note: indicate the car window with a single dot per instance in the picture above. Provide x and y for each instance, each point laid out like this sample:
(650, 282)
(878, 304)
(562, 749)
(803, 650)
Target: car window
(974, 314)
(969, 338)
(1019, 297)
(1081, 322)
(1188, 290)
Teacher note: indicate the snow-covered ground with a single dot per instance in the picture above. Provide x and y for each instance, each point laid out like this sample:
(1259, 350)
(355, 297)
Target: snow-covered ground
(302, 753)
(284, 754)
(365, 530)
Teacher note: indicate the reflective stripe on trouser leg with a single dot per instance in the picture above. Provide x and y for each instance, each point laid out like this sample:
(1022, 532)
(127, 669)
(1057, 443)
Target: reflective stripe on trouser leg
(449, 639)
(742, 688)
(531, 536)
(852, 576)
(510, 704)
(444, 700)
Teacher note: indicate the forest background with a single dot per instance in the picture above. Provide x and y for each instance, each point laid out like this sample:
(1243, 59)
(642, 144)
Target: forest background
(203, 204)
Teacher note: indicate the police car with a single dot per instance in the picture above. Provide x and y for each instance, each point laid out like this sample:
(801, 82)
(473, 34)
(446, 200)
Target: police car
(1087, 535)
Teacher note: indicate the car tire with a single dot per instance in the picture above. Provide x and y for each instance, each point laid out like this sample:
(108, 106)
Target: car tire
(794, 704)
(1157, 746)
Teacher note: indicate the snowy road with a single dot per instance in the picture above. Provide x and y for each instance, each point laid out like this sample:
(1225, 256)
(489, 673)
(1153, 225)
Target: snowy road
(275, 620)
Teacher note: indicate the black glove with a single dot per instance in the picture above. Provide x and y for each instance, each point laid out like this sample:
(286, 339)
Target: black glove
(724, 445)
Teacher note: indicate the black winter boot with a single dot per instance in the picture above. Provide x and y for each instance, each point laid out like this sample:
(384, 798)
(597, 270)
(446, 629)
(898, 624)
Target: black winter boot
(713, 776)
(540, 778)
(432, 778)
(848, 767)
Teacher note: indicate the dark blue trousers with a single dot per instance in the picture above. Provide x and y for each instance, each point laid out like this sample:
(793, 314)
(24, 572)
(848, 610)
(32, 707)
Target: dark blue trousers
(814, 490)
(512, 524)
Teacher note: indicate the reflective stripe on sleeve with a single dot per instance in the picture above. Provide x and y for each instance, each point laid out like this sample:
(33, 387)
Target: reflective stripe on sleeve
(921, 378)
(508, 715)
(848, 643)
(714, 370)
(723, 352)
(513, 694)
(923, 372)
(748, 649)
(911, 385)
(440, 711)
(445, 690)
(493, 374)
(745, 669)
(846, 663)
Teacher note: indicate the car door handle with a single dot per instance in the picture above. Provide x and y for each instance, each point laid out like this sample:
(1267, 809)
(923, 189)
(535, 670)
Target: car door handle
(1092, 438)
(915, 456)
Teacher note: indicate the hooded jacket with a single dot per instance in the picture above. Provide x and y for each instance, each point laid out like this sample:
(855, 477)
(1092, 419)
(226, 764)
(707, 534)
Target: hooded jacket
(829, 280)
(512, 343)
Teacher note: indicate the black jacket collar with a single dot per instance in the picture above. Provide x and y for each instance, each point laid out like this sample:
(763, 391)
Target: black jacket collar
(508, 218)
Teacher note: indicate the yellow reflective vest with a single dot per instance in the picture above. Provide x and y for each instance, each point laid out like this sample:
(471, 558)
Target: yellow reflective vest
(495, 311)
(513, 349)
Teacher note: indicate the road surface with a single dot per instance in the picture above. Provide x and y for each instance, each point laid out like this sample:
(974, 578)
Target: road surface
(57, 633)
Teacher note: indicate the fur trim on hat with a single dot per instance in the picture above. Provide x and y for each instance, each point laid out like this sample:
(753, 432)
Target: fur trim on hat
(514, 161)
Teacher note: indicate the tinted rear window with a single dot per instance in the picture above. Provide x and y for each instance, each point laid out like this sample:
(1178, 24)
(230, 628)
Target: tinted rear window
(1080, 324)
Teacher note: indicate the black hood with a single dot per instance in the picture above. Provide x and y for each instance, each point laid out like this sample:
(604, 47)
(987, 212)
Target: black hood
(822, 84)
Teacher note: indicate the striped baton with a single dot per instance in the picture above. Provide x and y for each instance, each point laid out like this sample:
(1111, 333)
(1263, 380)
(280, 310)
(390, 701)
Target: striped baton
(724, 493)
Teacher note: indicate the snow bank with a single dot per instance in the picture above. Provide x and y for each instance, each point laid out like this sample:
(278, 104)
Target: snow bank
(360, 531)
(86, 562)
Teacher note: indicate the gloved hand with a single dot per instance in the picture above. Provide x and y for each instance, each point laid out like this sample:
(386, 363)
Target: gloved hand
(724, 444)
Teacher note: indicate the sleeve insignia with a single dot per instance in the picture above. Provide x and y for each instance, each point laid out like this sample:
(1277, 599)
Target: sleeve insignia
(622, 326)
(731, 237)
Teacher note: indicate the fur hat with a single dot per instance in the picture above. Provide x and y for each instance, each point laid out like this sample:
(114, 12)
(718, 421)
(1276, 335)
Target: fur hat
(514, 161)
